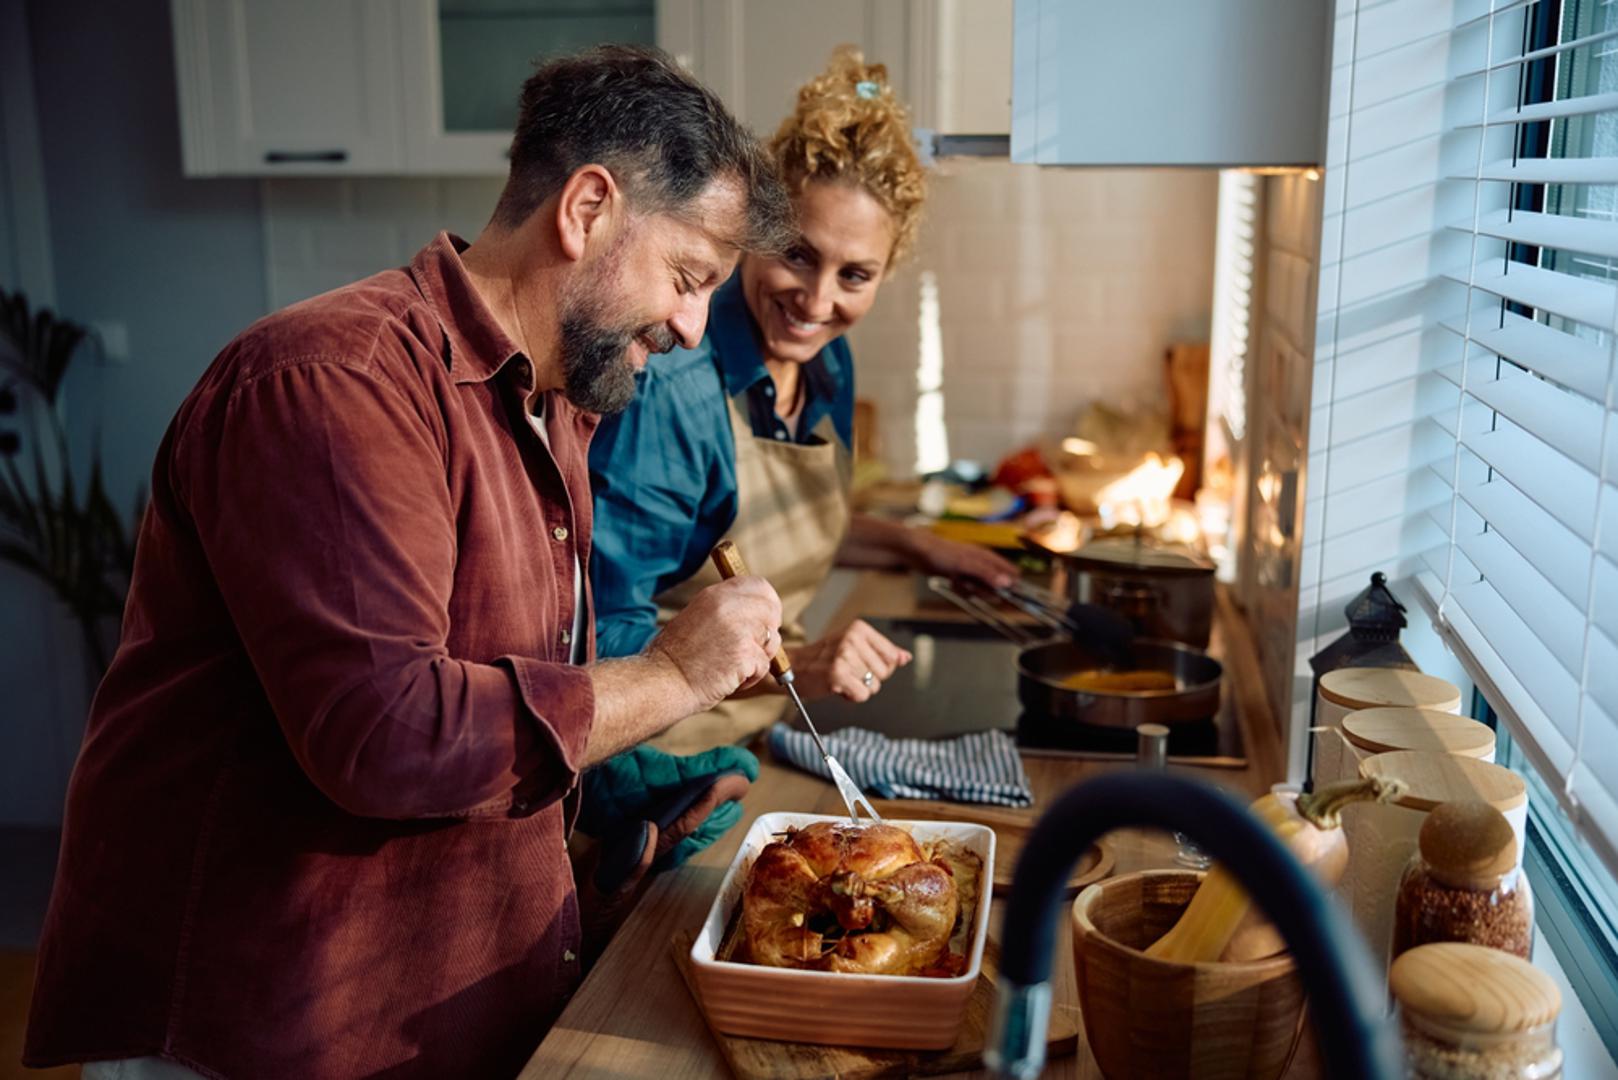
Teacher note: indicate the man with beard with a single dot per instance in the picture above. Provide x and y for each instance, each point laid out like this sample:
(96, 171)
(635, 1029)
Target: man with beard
(318, 826)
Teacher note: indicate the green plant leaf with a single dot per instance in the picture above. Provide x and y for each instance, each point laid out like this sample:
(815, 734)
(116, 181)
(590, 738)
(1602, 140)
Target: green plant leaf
(49, 533)
(115, 548)
(27, 511)
(39, 345)
(23, 557)
(69, 535)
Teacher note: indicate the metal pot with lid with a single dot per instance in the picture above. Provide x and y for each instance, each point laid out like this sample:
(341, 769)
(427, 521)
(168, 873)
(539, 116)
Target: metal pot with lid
(1165, 590)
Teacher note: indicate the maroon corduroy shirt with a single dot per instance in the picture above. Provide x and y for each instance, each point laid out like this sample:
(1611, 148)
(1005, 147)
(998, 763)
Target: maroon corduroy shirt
(318, 825)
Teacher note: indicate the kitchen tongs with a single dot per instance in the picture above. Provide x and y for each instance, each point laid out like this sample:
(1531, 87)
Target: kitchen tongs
(1096, 627)
(729, 561)
(980, 603)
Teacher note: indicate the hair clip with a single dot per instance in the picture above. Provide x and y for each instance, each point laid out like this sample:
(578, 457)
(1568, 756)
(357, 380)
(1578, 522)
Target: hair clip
(867, 89)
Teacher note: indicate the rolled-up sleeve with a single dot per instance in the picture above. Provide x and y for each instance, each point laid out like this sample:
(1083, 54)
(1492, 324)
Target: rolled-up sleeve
(327, 521)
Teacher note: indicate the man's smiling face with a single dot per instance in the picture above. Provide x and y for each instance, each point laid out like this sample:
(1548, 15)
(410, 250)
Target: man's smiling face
(647, 292)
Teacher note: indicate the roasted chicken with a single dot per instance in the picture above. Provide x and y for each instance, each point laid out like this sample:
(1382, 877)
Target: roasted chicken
(853, 898)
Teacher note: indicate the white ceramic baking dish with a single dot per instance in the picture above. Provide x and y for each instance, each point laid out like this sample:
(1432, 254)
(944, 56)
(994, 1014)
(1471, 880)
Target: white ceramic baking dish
(889, 1011)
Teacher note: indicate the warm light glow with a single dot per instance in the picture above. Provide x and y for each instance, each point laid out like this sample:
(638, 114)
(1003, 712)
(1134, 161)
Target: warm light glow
(1269, 485)
(1065, 533)
(1182, 526)
(1143, 497)
(1079, 447)
(1213, 511)
(932, 437)
(1229, 330)
(1279, 170)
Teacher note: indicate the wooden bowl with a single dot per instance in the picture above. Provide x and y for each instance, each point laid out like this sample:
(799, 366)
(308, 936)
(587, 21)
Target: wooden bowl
(1149, 1018)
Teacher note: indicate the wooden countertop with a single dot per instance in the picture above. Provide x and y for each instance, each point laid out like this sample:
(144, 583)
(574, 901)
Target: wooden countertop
(633, 1015)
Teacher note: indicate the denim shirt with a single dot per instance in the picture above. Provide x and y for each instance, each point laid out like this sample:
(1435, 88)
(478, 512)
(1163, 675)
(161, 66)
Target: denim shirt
(664, 470)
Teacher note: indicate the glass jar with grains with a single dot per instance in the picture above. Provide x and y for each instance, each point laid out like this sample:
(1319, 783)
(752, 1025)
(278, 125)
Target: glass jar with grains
(1468, 1012)
(1464, 884)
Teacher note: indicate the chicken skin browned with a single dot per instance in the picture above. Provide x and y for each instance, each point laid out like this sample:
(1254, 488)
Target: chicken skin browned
(854, 898)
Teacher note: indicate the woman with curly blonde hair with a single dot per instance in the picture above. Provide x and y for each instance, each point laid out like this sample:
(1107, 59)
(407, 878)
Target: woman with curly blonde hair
(748, 435)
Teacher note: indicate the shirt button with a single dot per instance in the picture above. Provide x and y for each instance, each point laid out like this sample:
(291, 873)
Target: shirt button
(780, 435)
(567, 956)
(520, 805)
(567, 637)
(769, 391)
(560, 532)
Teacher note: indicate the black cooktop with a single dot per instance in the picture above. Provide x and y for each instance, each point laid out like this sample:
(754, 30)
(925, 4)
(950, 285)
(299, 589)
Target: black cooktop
(964, 679)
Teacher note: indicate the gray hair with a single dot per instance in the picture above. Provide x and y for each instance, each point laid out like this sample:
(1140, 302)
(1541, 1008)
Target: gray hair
(663, 135)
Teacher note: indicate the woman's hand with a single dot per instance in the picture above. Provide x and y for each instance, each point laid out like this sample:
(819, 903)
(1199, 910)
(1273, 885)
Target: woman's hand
(933, 554)
(851, 663)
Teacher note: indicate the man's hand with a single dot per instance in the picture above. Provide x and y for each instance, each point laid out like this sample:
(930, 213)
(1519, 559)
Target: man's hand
(838, 663)
(722, 641)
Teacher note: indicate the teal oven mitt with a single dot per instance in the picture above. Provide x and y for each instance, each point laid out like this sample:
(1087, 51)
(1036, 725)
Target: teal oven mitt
(648, 811)
(688, 801)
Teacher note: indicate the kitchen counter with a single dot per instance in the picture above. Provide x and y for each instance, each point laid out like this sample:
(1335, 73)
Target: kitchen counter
(633, 1015)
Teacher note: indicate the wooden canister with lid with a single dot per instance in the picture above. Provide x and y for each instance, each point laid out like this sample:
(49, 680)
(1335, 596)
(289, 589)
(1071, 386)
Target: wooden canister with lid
(1381, 730)
(1349, 690)
(1472, 1011)
(1385, 834)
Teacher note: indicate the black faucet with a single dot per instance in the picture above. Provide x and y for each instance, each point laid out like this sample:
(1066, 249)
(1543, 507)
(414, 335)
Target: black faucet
(1347, 1000)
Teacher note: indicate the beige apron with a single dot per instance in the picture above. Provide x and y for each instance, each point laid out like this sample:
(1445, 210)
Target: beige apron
(792, 511)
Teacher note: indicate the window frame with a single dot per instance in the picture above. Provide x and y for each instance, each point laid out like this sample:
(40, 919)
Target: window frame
(1575, 897)
(1574, 907)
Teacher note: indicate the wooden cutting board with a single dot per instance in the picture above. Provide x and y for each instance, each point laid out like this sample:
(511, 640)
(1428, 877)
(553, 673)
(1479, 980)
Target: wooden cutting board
(766, 1059)
(1011, 829)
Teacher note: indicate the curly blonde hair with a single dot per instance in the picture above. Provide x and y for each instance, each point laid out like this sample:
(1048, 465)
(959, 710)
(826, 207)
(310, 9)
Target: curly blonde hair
(850, 127)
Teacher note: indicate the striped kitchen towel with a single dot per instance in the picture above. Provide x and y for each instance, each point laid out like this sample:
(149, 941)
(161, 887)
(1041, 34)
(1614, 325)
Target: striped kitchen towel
(977, 768)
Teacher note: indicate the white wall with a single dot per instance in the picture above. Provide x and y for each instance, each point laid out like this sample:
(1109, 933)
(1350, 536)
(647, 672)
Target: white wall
(319, 234)
(178, 264)
(1057, 288)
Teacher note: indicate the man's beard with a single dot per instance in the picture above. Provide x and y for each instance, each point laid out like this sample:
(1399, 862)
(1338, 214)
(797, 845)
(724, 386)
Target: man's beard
(596, 371)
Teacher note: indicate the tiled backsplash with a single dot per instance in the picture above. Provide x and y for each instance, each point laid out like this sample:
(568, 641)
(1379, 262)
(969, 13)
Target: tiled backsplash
(1055, 287)
(319, 234)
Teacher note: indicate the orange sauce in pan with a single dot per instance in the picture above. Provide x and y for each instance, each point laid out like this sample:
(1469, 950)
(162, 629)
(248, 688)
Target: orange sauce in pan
(1096, 681)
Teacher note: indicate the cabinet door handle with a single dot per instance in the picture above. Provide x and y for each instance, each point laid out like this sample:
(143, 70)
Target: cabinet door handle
(286, 157)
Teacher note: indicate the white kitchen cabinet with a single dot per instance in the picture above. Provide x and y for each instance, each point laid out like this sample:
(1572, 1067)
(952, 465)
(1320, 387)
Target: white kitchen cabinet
(755, 53)
(972, 80)
(371, 87)
(466, 61)
(1169, 82)
(430, 87)
(291, 88)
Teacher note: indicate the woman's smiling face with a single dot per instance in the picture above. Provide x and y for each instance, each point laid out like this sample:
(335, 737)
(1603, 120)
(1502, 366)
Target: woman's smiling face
(828, 280)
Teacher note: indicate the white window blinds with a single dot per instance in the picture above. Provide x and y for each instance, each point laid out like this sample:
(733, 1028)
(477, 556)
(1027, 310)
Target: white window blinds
(1234, 271)
(1486, 359)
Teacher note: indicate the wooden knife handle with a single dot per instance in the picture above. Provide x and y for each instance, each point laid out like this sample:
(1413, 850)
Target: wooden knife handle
(727, 557)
